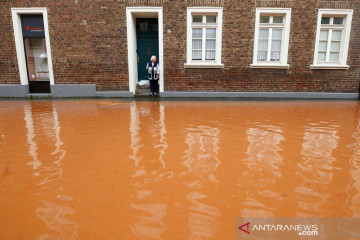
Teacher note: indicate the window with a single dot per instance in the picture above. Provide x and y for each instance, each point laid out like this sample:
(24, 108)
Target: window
(271, 42)
(204, 33)
(332, 39)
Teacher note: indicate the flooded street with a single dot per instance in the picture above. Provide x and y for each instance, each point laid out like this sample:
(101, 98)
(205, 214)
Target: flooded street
(113, 169)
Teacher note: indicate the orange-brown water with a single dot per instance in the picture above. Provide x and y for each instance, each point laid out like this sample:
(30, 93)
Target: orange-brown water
(109, 169)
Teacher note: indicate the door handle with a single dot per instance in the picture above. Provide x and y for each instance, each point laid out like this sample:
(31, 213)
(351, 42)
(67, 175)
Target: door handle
(138, 59)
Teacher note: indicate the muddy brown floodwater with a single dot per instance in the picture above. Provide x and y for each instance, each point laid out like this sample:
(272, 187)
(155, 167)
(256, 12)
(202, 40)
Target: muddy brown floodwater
(111, 169)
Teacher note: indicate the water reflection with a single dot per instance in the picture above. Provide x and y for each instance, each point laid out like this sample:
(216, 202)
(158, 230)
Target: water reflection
(316, 169)
(201, 160)
(355, 169)
(264, 162)
(148, 169)
(44, 125)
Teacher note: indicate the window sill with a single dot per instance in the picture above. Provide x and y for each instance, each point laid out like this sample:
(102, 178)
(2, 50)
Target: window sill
(203, 65)
(279, 66)
(344, 67)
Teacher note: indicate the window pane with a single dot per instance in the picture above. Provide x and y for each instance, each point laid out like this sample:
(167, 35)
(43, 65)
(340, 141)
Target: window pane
(322, 46)
(325, 20)
(334, 57)
(324, 35)
(197, 44)
(276, 45)
(262, 55)
(278, 19)
(37, 62)
(336, 35)
(210, 44)
(321, 57)
(338, 20)
(264, 19)
(263, 45)
(211, 19)
(275, 56)
(197, 32)
(264, 33)
(196, 55)
(277, 33)
(197, 18)
(335, 47)
(209, 55)
(211, 33)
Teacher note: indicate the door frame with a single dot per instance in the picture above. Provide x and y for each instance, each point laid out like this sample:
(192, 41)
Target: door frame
(19, 43)
(131, 14)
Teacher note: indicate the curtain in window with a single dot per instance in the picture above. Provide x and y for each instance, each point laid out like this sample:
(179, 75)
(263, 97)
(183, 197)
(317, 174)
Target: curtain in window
(264, 33)
(197, 44)
(277, 34)
(275, 56)
(210, 55)
(263, 44)
(211, 33)
(197, 32)
(262, 56)
(336, 35)
(275, 50)
(196, 55)
(210, 44)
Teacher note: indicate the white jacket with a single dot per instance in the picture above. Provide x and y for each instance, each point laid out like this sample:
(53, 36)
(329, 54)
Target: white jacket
(153, 70)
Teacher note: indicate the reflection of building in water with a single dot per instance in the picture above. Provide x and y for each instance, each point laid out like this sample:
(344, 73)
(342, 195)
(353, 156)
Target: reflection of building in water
(150, 224)
(316, 169)
(263, 165)
(355, 171)
(201, 160)
(49, 170)
(148, 169)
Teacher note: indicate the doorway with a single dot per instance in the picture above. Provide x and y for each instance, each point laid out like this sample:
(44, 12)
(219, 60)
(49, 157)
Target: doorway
(147, 44)
(32, 41)
(144, 29)
(35, 53)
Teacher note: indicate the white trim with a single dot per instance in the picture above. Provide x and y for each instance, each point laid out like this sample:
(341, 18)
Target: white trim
(16, 12)
(204, 64)
(131, 41)
(344, 47)
(280, 66)
(285, 38)
(329, 67)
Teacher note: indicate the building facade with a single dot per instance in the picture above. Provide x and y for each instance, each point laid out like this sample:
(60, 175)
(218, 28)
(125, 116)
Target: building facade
(204, 47)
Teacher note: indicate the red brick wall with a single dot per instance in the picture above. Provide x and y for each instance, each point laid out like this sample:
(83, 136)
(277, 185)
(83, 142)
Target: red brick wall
(88, 46)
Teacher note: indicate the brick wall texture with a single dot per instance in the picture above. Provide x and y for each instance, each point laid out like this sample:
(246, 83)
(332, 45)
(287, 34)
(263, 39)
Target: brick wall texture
(89, 45)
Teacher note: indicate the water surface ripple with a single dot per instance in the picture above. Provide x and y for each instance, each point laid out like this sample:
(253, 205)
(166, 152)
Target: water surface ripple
(111, 169)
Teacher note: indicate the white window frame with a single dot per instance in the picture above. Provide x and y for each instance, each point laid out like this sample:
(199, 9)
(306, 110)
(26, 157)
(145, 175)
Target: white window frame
(204, 63)
(16, 14)
(286, 12)
(345, 38)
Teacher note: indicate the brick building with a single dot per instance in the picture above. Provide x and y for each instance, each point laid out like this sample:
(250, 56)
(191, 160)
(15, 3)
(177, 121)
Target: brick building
(263, 48)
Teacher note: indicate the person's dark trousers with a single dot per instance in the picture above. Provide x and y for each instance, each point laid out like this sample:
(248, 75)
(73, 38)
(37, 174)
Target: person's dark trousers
(154, 86)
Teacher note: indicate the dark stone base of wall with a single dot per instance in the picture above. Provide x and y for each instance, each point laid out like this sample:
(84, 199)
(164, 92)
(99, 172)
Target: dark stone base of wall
(73, 90)
(114, 94)
(13, 90)
(288, 95)
(89, 90)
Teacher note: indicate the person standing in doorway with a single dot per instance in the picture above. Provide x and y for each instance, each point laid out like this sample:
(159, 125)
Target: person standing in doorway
(153, 69)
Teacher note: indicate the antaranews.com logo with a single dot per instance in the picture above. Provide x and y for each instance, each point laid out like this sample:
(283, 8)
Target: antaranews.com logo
(302, 230)
(297, 228)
